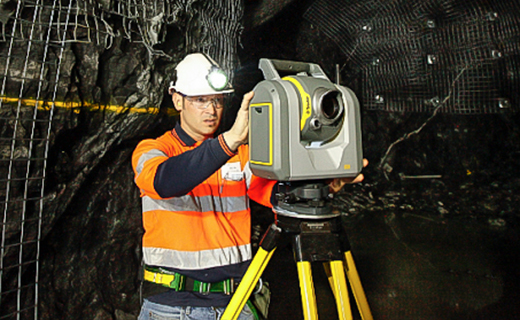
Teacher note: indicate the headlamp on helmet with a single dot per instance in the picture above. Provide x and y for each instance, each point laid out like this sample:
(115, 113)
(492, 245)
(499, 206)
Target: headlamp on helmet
(199, 75)
(217, 78)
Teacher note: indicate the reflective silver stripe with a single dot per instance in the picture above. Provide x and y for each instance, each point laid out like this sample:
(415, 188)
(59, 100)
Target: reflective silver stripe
(147, 156)
(248, 174)
(196, 204)
(196, 259)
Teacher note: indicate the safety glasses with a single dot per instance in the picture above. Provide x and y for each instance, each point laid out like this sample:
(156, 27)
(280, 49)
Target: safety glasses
(203, 102)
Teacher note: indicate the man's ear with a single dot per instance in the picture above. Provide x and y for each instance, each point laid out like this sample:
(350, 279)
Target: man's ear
(177, 101)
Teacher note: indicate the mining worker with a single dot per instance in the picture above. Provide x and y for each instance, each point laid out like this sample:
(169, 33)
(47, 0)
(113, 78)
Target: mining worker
(195, 189)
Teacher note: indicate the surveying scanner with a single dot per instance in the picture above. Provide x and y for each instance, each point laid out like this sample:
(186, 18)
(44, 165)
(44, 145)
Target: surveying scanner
(303, 130)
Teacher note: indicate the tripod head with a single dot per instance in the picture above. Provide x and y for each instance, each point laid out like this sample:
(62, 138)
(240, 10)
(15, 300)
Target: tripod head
(304, 199)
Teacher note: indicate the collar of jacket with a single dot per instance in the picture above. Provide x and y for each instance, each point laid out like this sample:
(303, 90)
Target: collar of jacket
(183, 136)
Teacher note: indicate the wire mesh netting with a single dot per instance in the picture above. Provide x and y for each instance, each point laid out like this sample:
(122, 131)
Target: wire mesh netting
(414, 56)
(36, 63)
(25, 142)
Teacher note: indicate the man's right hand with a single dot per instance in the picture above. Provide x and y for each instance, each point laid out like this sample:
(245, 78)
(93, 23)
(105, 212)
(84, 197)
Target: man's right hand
(238, 134)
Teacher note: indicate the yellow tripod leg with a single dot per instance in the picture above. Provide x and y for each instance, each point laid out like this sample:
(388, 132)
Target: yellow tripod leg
(357, 288)
(248, 283)
(328, 273)
(308, 295)
(340, 290)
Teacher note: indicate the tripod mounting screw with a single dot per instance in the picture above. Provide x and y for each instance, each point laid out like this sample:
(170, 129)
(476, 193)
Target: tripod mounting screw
(286, 197)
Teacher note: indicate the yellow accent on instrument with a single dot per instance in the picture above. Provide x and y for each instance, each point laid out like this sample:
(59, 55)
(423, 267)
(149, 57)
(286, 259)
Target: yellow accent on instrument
(270, 107)
(306, 102)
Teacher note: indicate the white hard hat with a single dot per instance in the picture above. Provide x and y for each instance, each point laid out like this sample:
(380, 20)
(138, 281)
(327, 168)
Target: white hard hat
(199, 75)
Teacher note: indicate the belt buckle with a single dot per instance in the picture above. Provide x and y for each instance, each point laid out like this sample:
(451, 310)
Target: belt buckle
(205, 288)
(178, 282)
(228, 286)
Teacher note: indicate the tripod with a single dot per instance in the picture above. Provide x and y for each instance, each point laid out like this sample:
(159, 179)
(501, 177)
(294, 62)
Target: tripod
(305, 213)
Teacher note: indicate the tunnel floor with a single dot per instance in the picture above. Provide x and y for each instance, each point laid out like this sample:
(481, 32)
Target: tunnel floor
(420, 258)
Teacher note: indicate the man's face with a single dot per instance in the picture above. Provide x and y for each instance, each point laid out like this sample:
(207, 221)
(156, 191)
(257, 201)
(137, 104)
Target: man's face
(200, 115)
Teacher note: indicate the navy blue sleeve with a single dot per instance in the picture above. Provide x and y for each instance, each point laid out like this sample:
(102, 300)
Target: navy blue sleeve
(180, 174)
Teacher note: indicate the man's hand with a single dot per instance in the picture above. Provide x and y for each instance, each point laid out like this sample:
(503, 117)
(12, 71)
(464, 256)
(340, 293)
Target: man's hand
(338, 183)
(238, 134)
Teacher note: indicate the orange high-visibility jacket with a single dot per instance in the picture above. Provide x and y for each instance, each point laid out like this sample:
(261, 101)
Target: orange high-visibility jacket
(205, 228)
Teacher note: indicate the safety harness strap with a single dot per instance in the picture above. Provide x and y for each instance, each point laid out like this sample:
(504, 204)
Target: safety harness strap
(179, 282)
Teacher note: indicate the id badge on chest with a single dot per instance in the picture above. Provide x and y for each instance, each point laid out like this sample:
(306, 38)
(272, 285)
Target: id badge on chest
(232, 172)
